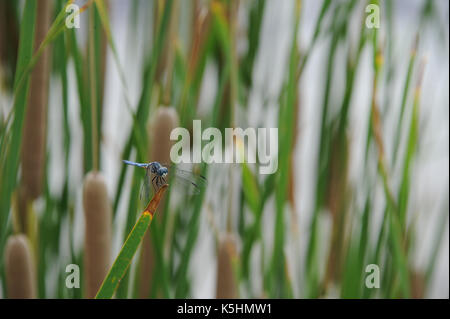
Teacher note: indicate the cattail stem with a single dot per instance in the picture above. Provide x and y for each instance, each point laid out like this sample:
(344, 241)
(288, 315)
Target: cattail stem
(171, 52)
(20, 272)
(232, 19)
(93, 89)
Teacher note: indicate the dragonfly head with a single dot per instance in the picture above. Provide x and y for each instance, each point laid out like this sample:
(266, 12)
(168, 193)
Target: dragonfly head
(162, 171)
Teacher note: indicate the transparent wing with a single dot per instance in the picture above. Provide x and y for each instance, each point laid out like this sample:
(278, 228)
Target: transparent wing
(145, 192)
(187, 185)
(191, 181)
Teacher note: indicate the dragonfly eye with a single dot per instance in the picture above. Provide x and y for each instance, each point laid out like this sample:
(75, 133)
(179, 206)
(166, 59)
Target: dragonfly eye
(162, 171)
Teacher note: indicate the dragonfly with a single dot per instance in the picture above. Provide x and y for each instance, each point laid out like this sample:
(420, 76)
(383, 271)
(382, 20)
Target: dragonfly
(156, 174)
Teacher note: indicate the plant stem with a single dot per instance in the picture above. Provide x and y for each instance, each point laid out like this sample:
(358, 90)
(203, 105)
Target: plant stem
(123, 260)
(93, 90)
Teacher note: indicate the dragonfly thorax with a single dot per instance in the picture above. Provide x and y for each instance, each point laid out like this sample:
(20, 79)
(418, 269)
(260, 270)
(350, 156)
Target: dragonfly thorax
(158, 169)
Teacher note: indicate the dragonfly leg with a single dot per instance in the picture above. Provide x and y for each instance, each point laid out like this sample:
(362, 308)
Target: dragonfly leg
(159, 181)
(164, 180)
(153, 184)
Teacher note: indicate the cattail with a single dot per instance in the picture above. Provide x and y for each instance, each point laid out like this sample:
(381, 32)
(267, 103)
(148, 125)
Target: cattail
(336, 195)
(3, 42)
(9, 42)
(20, 272)
(34, 131)
(147, 267)
(164, 121)
(338, 175)
(418, 284)
(97, 213)
(226, 282)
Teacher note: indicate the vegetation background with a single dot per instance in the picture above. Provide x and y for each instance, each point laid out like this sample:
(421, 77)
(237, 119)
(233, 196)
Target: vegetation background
(363, 147)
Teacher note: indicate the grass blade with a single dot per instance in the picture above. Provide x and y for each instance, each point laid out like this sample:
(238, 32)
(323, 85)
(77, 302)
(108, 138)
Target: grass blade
(123, 260)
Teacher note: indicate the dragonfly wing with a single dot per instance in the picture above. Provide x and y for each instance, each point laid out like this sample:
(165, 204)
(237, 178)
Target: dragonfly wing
(198, 179)
(189, 186)
(144, 194)
(192, 182)
(187, 174)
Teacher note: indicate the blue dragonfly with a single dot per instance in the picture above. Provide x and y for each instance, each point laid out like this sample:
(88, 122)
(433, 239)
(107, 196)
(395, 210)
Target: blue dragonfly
(156, 175)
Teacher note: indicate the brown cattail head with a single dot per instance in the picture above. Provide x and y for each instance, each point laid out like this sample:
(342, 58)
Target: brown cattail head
(97, 213)
(336, 201)
(34, 131)
(227, 287)
(338, 175)
(9, 42)
(418, 284)
(147, 266)
(163, 122)
(20, 272)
